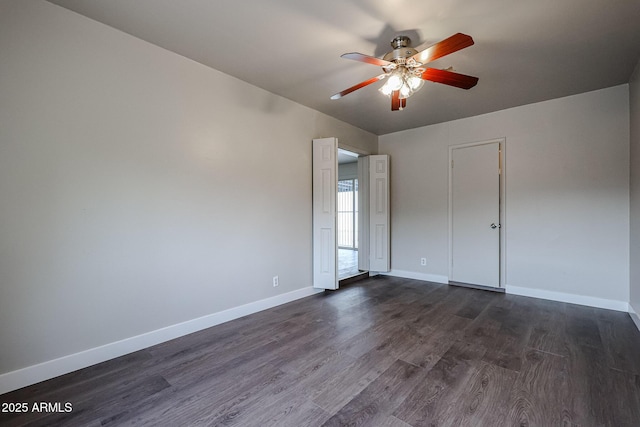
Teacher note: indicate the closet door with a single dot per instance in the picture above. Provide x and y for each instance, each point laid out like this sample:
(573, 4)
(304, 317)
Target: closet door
(379, 233)
(325, 188)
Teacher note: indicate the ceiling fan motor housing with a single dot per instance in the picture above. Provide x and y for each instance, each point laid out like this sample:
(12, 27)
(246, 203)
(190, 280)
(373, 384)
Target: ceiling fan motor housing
(401, 50)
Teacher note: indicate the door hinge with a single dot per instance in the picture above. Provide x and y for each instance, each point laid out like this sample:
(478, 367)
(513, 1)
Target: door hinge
(451, 164)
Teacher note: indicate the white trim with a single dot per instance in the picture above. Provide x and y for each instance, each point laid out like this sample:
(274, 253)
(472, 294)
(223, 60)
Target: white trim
(634, 315)
(418, 276)
(570, 298)
(502, 208)
(33, 374)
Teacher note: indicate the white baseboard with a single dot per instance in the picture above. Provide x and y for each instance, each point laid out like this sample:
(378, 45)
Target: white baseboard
(33, 374)
(633, 312)
(570, 298)
(418, 276)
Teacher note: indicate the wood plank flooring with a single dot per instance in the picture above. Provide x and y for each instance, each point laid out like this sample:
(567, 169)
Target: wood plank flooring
(347, 263)
(380, 352)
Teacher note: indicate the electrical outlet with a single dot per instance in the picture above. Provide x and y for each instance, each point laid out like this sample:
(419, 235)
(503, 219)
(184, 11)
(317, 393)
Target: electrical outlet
(276, 281)
(423, 261)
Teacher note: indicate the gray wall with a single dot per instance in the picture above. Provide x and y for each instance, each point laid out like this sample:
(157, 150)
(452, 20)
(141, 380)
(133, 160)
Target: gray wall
(567, 180)
(139, 189)
(634, 90)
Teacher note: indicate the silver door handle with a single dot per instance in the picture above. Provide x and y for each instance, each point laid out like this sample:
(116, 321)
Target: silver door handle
(493, 225)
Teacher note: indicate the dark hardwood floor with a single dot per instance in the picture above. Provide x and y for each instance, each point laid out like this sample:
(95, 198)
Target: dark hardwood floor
(347, 263)
(380, 352)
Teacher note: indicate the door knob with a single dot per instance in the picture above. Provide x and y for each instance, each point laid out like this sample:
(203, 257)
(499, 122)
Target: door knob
(493, 225)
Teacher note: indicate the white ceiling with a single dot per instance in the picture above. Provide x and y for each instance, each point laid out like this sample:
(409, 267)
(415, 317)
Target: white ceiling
(524, 52)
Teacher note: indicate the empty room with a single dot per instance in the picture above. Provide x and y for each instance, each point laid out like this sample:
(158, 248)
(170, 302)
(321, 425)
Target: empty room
(304, 213)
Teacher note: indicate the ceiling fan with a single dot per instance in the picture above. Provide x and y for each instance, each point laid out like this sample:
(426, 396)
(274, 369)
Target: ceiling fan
(405, 72)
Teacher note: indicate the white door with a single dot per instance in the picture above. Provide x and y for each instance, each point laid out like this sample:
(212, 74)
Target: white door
(325, 188)
(363, 213)
(379, 233)
(475, 205)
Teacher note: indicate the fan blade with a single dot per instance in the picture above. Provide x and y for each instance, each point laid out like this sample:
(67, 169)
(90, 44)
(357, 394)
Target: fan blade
(366, 58)
(445, 47)
(403, 102)
(358, 86)
(395, 100)
(449, 78)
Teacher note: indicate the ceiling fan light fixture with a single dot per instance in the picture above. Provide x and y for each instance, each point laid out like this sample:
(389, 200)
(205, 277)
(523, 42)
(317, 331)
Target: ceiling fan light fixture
(396, 81)
(415, 82)
(385, 90)
(404, 80)
(405, 92)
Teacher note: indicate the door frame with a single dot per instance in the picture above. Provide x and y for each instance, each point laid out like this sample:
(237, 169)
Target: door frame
(502, 205)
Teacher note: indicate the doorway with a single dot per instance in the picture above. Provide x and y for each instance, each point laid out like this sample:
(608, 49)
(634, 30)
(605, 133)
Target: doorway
(476, 214)
(371, 210)
(347, 214)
